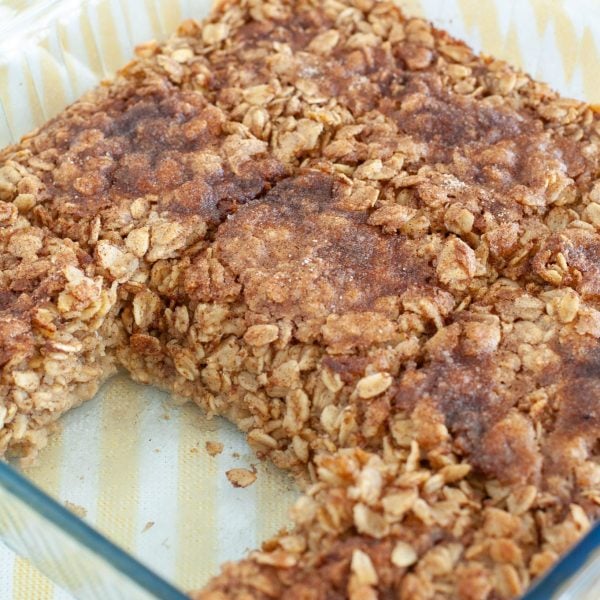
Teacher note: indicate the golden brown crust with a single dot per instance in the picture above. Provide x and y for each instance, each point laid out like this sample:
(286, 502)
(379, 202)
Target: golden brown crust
(136, 153)
(299, 254)
(371, 249)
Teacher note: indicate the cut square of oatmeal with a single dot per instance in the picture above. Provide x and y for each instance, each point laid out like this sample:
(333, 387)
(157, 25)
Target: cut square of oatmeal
(374, 251)
(57, 341)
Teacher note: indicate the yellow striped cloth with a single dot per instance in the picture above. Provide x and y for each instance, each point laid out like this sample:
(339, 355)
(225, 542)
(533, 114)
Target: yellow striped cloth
(130, 462)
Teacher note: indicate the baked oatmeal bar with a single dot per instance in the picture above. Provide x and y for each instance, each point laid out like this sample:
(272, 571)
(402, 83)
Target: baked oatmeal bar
(374, 251)
(56, 343)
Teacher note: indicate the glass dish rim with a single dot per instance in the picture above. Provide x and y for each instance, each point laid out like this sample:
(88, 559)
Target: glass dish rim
(562, 575)
(558, 578)
(77, 529)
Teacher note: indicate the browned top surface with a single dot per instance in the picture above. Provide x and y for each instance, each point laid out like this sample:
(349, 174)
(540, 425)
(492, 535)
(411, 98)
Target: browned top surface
(581, 250)
(157, 143)
(298, 253)
(433, 87)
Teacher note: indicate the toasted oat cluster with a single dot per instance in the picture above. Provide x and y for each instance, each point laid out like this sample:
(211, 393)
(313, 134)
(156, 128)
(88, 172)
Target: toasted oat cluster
(374, 251)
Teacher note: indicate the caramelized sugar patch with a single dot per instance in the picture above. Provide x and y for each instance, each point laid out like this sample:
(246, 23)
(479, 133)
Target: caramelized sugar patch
(298, 254)
(159, 143)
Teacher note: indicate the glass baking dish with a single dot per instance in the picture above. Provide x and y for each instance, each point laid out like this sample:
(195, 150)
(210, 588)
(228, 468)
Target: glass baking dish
(131, 466)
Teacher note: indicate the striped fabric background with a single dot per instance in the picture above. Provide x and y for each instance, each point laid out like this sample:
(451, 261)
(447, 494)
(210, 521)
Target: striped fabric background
(131, 462)
(136, 467)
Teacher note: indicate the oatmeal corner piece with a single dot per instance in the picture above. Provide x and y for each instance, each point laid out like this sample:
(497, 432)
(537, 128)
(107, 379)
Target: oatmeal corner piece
(54, 335)
(374, 251)
(94, 205)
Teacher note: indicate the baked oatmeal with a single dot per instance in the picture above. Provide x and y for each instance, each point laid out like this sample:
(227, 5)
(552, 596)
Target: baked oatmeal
(373, 250)
(57, 343)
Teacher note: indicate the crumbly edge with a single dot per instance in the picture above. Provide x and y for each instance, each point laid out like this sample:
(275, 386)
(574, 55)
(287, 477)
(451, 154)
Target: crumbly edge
(57, 336)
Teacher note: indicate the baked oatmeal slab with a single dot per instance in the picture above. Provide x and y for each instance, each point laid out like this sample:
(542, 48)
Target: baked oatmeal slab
(374, 251)
(56, 338)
